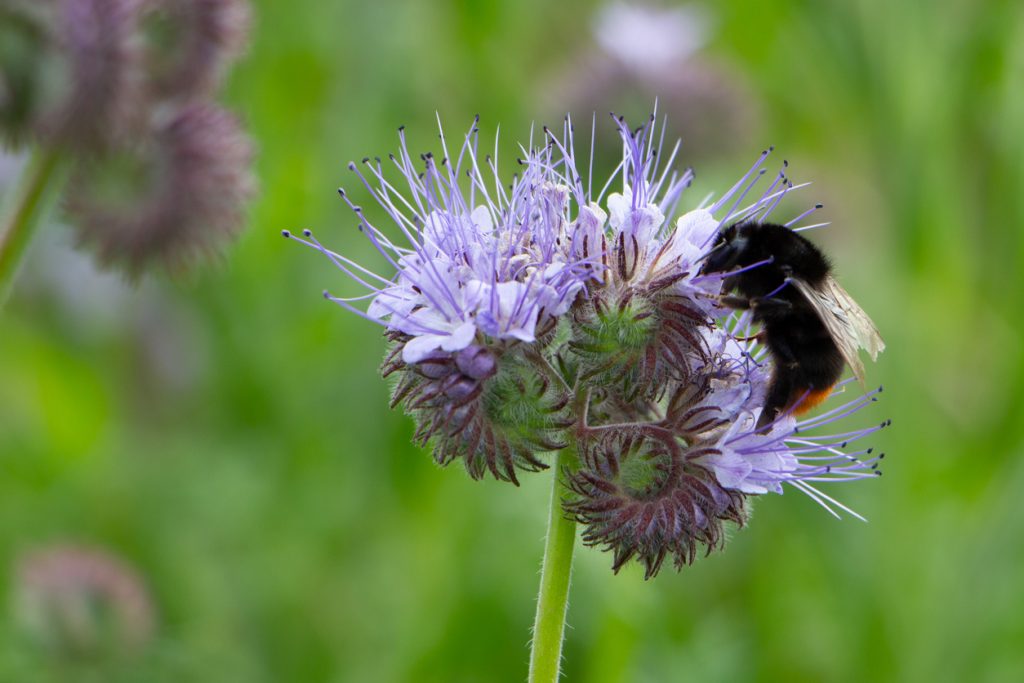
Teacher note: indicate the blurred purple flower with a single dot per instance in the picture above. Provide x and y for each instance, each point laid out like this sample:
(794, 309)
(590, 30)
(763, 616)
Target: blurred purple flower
(168, 199)
(67, 71)
(188, 44)
(81, 601)
(97, 37)
(644, 37)
(120, 91)
(646, 51)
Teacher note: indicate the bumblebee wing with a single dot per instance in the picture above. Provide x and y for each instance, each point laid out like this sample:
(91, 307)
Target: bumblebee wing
(850, 327)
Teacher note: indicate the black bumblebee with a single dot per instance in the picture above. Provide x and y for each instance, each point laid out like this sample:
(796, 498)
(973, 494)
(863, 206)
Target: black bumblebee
(810, 325)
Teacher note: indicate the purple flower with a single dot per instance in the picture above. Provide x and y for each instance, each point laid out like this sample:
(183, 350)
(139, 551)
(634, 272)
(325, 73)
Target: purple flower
(472, 262)
(754, 461)
(546, 315)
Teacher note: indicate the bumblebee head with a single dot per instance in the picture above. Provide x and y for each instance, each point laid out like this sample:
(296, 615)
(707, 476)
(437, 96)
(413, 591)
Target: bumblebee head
(729, 248)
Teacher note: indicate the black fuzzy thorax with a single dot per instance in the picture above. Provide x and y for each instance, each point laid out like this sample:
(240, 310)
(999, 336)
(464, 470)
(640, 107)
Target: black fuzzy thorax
(806, 357)
(786, 250)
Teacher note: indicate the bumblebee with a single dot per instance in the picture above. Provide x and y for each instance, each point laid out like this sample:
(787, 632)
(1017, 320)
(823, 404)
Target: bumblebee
(811, 327)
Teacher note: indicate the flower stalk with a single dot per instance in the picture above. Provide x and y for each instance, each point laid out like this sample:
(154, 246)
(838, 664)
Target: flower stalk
(556, 570)
(26, 208)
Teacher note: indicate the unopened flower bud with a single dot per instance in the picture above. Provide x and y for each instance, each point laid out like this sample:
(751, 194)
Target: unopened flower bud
(476, 362)
(496, 423)
(460, 388)
(436, 366)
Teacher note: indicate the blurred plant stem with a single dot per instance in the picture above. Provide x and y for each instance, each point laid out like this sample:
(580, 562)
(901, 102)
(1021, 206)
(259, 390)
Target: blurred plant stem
(553, 597)
(24, 212)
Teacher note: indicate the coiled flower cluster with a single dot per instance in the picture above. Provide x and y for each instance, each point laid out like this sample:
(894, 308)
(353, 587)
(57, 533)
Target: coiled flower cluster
(542, 315)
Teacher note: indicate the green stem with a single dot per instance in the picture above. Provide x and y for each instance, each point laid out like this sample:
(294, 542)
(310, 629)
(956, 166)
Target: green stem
(23, 215)
(553, 599)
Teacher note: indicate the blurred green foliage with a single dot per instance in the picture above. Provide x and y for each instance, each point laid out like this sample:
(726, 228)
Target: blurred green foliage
(229, 436)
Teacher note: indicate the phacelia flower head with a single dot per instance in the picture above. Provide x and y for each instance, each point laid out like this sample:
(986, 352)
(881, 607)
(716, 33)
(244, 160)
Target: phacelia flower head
(482, 278)
(542, 315)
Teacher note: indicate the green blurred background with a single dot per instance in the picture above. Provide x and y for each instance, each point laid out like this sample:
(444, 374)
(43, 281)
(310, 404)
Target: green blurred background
(228, 435)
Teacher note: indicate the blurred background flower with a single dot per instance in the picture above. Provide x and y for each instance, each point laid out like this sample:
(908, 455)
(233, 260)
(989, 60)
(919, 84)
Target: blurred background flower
(80, 602)
(188, 44)
(277, 508)
(120, 91)
(171, 197)
(642, 52)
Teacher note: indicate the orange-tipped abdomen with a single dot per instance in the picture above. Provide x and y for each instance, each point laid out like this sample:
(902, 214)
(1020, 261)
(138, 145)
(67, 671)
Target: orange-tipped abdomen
(805, 402)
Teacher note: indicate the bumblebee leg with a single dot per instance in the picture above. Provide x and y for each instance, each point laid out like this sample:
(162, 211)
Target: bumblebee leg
(759, 337)
(771, 305)
(765, 304)
(779, 389)
(737, 302)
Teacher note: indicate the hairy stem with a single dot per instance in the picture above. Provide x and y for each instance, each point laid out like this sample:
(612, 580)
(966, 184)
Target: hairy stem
(28, 202)
(553, 598)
